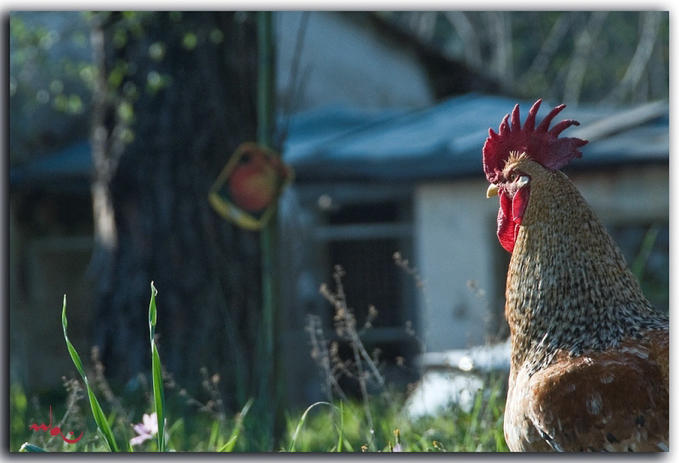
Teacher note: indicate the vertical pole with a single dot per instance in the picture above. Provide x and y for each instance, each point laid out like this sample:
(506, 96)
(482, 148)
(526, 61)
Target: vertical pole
(265, 120)
(265, 78)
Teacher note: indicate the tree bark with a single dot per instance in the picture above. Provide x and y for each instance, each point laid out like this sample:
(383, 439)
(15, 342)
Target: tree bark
(175, 95)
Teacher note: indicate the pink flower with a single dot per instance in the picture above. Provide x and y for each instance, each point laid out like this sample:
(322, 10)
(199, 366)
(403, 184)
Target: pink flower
(146, 429)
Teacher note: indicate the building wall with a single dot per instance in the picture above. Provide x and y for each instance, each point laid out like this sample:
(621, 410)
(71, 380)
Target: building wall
(455, 244)
(635, 194)
(343, 61)
(454, 230)
(49, 257)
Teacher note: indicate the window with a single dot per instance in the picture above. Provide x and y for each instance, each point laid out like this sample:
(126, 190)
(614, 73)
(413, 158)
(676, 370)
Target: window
(362, 238)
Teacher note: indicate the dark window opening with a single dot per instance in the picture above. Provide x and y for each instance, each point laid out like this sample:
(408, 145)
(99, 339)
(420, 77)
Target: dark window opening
(371, 278)
(362, 238)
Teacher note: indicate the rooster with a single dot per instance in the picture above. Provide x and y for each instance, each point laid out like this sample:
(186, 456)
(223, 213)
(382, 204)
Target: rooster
(589, 354)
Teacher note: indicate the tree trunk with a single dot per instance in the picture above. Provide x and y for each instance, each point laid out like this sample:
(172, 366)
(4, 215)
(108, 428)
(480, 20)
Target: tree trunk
(174, 96)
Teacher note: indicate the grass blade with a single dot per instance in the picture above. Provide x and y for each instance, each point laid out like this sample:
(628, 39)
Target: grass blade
(639, 264)
(157, 372)
(301, 421)
(341, 428)
(231, 443)
(214, 434)
(31, 448)
(97, 412)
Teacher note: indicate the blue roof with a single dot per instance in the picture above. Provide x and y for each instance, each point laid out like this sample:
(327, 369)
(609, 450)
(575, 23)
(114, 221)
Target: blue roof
(67, 169)
(443, 141)
(438, 142)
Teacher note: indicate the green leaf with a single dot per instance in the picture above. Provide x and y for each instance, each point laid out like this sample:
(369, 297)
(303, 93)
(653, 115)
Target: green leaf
(231, 443)
(157, 372)
(152, 310)
(97, 413)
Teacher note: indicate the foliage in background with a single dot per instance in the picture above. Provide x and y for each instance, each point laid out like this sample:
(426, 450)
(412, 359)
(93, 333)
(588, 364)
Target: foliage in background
(575, 56)
(51, 76)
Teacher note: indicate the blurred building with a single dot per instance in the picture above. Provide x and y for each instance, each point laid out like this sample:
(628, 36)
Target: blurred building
(371, 184)
(50, 244)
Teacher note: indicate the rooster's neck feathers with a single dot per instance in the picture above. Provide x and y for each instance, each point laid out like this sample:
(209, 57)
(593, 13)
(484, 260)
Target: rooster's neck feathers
(568, 286)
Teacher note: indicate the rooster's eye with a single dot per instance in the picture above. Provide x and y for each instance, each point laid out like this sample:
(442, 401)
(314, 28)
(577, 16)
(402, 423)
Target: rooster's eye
(523, 181)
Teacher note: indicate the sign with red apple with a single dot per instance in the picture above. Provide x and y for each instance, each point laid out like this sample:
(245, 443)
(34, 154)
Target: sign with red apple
(247, 190)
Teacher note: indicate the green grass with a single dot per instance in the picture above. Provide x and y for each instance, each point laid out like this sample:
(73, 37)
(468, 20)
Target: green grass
(344, 426)
(340, 426)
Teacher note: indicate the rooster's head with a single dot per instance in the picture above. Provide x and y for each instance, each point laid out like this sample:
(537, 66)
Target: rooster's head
(505, 152)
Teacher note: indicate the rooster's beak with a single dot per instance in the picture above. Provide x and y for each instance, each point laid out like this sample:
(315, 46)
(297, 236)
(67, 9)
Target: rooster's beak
(491, 191)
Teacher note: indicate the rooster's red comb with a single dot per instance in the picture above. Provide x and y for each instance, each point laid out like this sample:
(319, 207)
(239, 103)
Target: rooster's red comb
(540, 144)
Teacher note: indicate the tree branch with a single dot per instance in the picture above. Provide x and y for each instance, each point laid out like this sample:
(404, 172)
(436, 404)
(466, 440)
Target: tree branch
(550, 45)
(583, 46)
(465, 29)
(637, 66)
(501, 61)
